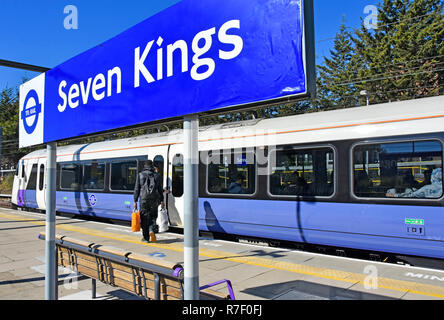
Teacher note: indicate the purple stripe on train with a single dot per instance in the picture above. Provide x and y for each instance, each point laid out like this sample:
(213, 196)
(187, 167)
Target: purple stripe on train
(21, 198)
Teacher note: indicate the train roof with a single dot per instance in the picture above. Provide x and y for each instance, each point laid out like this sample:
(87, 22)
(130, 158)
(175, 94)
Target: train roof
(424, 115)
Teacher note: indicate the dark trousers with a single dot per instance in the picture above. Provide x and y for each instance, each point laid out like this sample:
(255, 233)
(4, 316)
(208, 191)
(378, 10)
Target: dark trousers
(148, 216)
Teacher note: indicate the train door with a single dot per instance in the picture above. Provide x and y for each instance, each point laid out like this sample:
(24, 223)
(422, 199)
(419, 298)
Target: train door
(22, 184)
(31, 185)
(41, 184)
(17, 188)
(175, 185)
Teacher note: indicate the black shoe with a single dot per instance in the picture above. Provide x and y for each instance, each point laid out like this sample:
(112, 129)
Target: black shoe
(144, 240)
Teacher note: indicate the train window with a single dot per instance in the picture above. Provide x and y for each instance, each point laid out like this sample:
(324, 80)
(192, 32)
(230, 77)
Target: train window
(401, 170)
(123, 175)
(177, 178)
(94, 176)
(70, 176)
(42, 176)
(158, 163)
(302, 172)
(231, 172)
(23, 170)
(32, 182)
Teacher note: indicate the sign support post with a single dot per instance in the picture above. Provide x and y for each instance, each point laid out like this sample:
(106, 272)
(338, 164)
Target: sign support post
(191, 224)
(50, 255)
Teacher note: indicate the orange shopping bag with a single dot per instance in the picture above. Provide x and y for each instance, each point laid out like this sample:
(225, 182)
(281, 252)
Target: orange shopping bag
(135, 221)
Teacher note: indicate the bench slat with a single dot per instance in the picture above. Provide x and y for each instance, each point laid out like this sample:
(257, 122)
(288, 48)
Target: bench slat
(168, 287)
(152, 260)
(112, 250)
(75, 241)
(213, 295)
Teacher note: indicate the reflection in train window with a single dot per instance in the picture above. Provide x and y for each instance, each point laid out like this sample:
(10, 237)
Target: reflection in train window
(42, 176)
(94, 176)
(70, 176)
(123, 175)
(399, 170)
(177, 178)
(32, 182)
(296, 172)
(231, 172)
(158, 163)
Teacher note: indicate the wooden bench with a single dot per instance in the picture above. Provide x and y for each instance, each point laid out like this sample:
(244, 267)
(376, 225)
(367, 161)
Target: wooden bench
(139, 274)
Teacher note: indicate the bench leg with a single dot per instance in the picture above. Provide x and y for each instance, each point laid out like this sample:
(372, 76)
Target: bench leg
(156, 287)
(56, 274)
(94, 288)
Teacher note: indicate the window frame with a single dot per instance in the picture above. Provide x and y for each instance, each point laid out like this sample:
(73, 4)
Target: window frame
(36, 171)
(89, 162)
(79, 182)
(172, 172)
(298, 147)
(42, 176)
(391, 140)
(111, 174)
(234, 195)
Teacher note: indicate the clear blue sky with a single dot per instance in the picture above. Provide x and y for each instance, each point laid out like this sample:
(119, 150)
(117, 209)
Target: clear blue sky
(33, 31)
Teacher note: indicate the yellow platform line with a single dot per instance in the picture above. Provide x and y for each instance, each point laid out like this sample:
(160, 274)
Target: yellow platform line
(325, 273)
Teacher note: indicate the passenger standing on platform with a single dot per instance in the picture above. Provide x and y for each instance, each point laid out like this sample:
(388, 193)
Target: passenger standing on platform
(149, 188)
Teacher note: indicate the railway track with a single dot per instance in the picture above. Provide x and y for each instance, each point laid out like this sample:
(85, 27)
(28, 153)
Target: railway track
(5, 201)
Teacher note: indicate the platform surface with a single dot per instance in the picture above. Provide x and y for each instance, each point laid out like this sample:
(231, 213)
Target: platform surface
(256, 272)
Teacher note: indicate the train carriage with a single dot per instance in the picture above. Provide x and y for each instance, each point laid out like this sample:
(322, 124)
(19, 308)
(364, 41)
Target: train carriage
(366, 178)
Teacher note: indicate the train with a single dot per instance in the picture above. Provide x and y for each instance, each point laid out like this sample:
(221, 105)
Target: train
(350, 179)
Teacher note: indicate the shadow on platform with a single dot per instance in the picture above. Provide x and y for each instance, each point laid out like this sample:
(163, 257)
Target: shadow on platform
(304, 290)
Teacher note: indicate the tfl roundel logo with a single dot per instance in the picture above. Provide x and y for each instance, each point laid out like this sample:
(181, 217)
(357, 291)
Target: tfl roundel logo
(32, 108)
(92, 200)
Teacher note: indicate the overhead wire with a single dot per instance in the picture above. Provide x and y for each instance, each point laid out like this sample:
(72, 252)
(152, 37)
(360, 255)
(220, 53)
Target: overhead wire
(391, 91)
(364, 79)
(382, 26)
(398, 63)
(385, 78)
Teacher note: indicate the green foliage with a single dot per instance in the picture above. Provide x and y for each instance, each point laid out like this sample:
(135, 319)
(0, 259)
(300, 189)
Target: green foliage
(341, 68)
(401, 59)
(9, 121)
(9, 112)
(6, 184)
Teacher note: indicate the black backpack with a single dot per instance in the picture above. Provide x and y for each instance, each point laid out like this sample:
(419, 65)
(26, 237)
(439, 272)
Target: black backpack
(148, 191)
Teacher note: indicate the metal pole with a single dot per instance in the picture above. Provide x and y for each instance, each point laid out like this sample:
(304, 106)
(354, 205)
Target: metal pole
(23, 66)
(51, 263)
(191, 227)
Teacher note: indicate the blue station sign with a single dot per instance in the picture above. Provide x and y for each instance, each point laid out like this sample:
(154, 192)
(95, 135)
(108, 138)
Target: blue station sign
(196, 56)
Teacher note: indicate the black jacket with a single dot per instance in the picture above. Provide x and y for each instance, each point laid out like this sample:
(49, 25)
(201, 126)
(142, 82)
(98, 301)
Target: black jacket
(140, 181)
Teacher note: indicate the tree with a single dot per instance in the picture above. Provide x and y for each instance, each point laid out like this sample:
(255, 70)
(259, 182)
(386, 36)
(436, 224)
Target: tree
(337, 71)
(9, 121)
(403, 57)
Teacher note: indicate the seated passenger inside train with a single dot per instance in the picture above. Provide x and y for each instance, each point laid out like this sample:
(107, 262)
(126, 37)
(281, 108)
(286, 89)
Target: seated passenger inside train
(93, 183)
(401, 184)
(433, 190)
(362, 183)
(298, 186)
(235, 186)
